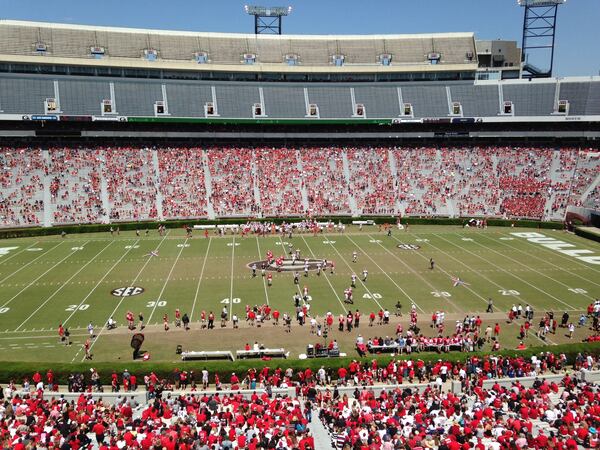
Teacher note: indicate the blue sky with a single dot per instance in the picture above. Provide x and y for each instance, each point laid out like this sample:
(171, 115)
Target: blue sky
(578, 38)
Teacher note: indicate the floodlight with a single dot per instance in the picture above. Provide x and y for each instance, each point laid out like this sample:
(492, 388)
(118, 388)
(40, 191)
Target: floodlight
(540, 2)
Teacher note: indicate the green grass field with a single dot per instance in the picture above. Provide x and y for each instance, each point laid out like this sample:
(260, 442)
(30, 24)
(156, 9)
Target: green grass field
(50, 280)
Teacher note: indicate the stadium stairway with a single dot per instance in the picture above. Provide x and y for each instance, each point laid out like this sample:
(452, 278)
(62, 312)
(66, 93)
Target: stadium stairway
(322, 438)
(554, 178)
(104, 194)
(351, 199)
(208, 186)
(49, 207)
(255, 184)
(394, 171)
(303, 188)
(159, 197)
(450, 207)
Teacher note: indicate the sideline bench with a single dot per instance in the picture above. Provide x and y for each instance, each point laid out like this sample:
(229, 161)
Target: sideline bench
(321, 352)
(392, 348)
(206, 355)
(270, 352)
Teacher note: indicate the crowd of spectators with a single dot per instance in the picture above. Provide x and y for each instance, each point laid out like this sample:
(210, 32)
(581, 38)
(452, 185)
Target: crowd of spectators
(325, 181)
(371, 181)
(76, 185)
(586, 171)
(279, 180)
(188, 411)
(22, 171)
(182, 182)
(133, 183)
(232, 180)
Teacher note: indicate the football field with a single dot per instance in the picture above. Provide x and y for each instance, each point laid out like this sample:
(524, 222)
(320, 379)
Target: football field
(88, 278)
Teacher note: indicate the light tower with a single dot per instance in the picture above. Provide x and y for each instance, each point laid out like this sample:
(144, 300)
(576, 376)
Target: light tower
(539, 31)
(267, 19)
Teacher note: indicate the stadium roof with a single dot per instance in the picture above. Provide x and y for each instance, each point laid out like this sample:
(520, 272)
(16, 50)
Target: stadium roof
(66, 26)
(40, 42)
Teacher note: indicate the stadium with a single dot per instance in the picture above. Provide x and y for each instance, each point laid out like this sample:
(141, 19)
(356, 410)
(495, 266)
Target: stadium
(229, 241)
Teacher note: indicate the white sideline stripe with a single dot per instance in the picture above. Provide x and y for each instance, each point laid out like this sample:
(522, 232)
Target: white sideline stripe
(231, 284)
(357, 277)
(30, 262)
(263, 278)
(120, 301)
(200, 279)
(98, 284)
(327, 278)
(34, 281)
(414, 272)
(516, 276)
(2, 261)
(162, 291)
(554, 265)
(386, 274)
(63, 285)
(54, 336)
(484, 277)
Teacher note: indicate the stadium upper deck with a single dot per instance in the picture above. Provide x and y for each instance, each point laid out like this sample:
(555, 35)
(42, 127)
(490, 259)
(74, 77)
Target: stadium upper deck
(74, 73)
(36, 42)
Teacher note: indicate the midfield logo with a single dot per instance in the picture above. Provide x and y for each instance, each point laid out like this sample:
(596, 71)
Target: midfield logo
(289, 266)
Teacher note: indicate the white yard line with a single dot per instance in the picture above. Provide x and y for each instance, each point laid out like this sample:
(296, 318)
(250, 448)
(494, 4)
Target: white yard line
(99, 282)
(563, 268)
(327, 278)
(200, 279)
(102, 328)
(513, 275)
(427, 282)
(483, 299)
(259, 257)
(412, 301)
(357, 277)
(2, 261)
(474, 270)
(162, 291)
(30, 262)
(297, 285)
(231, 284)
(63, 284)
(482, 276)
(34, 281)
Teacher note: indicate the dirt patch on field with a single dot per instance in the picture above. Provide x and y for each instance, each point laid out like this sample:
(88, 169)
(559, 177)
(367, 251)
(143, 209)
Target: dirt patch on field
(114, 345)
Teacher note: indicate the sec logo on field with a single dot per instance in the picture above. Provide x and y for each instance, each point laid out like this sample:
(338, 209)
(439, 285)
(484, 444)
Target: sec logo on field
(128, 291)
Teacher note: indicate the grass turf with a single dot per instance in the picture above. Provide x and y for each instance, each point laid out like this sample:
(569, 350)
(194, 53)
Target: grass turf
(49, 280)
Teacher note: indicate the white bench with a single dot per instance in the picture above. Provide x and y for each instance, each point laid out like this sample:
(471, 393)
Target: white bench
(188, 356)
(271, 352)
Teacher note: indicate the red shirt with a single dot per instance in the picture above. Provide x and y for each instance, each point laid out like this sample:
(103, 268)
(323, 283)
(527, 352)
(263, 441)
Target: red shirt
(98, 428)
